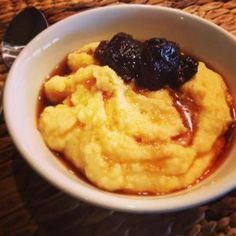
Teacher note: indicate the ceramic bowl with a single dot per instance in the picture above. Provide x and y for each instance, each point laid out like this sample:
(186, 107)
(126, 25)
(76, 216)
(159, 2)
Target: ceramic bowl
(201, 38)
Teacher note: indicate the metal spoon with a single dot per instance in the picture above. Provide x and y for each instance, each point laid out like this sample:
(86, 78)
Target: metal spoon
(22, 29)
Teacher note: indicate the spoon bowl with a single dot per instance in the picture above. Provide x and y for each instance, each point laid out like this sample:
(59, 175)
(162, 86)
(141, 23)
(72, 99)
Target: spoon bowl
(22, 29)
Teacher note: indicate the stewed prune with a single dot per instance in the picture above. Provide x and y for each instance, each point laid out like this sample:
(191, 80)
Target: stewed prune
(159, 64)
(152, 64)
(186, 70)
(123, 54)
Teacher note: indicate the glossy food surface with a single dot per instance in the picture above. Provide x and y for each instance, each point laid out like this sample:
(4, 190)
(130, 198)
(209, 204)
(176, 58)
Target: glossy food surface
(152, 64)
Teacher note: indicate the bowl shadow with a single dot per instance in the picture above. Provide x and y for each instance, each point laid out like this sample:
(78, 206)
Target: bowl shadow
(56, 213)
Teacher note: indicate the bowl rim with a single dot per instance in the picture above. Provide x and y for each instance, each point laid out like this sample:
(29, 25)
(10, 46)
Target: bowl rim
(106, 199)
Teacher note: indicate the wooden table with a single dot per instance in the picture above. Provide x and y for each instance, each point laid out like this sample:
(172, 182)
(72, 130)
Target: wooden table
(31, 206)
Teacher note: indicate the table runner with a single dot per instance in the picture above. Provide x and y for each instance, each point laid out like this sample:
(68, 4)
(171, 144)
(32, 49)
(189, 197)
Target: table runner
(31, 206)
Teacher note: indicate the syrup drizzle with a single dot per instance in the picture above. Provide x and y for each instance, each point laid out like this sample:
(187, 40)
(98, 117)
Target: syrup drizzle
(188, 111)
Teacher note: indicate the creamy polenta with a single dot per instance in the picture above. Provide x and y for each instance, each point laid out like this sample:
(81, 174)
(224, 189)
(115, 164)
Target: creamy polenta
(124, 140)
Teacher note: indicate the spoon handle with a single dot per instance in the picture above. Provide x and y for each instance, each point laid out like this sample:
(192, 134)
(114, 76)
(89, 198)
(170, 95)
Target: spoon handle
(9, 53)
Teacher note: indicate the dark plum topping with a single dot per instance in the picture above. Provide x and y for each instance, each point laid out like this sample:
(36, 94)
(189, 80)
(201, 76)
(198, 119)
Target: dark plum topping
(160, 63)
(152, 64)
(187, 69)
(123, 54)
(100, 50)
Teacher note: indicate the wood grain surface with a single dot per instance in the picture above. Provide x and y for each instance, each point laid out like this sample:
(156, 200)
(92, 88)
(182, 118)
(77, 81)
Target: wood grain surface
(31, 206)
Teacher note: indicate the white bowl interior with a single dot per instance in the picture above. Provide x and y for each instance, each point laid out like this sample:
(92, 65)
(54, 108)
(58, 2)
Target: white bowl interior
(201, 39)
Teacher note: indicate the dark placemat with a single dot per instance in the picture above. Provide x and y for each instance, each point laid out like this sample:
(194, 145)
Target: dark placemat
(31, 206)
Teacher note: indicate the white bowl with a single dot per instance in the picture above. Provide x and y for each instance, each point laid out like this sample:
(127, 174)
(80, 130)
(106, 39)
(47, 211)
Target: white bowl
(203, 39)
